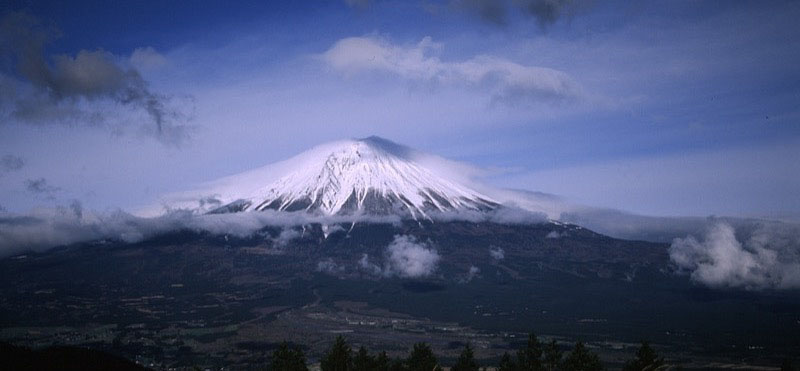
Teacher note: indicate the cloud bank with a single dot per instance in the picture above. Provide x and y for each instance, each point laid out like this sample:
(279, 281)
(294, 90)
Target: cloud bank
(508, 81)
(43, 229)
(768, 259)
(75, 89)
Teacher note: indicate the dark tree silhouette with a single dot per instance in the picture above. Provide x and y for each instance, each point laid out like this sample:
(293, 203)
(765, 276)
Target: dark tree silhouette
(338, 357)
(646, 359)
(422, 358)
(285, 359)
(466, 361)
(582, 359)
(786, 365)
(362, 361)
(397, 365)
(552, 356)
(382, 362)
(529, 358)
(506, 363)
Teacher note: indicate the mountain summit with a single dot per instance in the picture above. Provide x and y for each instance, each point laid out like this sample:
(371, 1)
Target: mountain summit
(360, 176)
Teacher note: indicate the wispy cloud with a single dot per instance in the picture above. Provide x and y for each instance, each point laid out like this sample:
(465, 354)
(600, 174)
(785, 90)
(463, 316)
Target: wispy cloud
(9, 163)
(506, 80)
(40, 186)
(472, 273)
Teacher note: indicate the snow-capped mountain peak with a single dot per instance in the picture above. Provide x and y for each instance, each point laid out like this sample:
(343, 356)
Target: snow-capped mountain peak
(371, 175)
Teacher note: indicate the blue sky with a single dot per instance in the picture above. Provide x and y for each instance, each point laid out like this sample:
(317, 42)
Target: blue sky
(678, 108)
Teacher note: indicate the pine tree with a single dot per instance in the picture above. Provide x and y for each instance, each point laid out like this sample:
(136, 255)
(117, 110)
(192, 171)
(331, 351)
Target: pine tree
(786, 365)
(466, 361)
(646, 359)
(506, 363)
(397, 365)
(529, 358)
(582, 359)
(552, 356)
(338, 357)
(362, 361)
(421, 358)
(285, 359)
(382, 362)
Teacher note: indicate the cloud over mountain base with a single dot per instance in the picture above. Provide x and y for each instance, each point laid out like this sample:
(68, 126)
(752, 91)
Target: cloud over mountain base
(769, 258)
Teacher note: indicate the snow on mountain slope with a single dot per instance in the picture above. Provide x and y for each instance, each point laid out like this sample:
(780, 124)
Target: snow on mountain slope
(370, 176)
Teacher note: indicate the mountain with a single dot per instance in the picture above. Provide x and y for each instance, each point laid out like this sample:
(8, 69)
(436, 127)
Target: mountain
(371, 176)
(223, 286)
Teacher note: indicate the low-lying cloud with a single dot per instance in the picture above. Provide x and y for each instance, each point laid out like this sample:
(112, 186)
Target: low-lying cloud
(506, 214)
(408, 258)
(404, 257)
(497, 253)
(45, 228)
(769, 258)
(74, 88)
(472, 273)
(329, 266)
(506, 80)
(553, 235)
(286, 236)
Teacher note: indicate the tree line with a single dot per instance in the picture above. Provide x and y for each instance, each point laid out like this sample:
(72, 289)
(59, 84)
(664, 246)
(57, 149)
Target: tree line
(534, 356)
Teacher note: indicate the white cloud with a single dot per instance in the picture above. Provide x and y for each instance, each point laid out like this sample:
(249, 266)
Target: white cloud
(471, 273)
(497, 253)
(329, 266)
(553, 235)
(404, 257)
(45, 228)
(286, 236)
(770, 257)
(368, 266)
(408, 258)
(507, 80)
